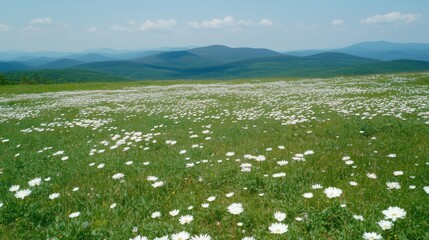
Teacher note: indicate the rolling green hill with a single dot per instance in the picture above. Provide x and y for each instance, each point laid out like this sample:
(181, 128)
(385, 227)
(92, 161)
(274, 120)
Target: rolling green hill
(319, 65)
(213, 62)
(60, 76)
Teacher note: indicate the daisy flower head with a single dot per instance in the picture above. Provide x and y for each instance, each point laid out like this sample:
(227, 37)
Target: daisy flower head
(308, 195)
(23, 193)
(152, 178)
(139, 238)
(230, 154)
(158, 184)
(201, 237)
(74, 215)
(371, 175)
(54, 195)
(228, 195)
(371, 236)
(174, 212)
(35, 182)
(14, 188)
(180, 236)
(211, 198)
(385, 224)
(118, 176)
(235, 208)
(186, 219)
(155, 215)
(394, 213)
(332, 192)
(161, 238)
(393, 185)
(280, 216)
(278, 228)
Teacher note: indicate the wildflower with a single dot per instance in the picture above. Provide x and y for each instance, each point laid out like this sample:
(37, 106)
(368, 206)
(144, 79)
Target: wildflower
(158, 184)
(282, 162)
(371, 175)
(113, 205)
(205, 205)
(260, 158)
(155, 215)
(394, 213)
(230, 154)
(75, 189)
(180, 236)
(139, 238)
(277, 175)
(201, 237)
(385, 225)
(129, 163)
(174, 212)
(161, 238)
(358, 217)
(152, 178)
(398, 173)
(1, 204)
(23, 193)
(332, 192)
(352, 183)
(14, 188)
(309, 152)
(392, 155)
(371, 236)
(74, 214)
(316, 186)
(54, 195)
(248, 238)
(426, 188)
(393, 185)
(35, 182)
(280, 216)
(118, 176)
(186, 219)
(211, 199)
(228, 195)
(235, 208)
(308, 195)
(278, 228)
(101, 165)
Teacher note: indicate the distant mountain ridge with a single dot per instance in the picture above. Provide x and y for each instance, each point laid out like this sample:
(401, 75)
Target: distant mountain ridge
(221, 62)
(380, 50)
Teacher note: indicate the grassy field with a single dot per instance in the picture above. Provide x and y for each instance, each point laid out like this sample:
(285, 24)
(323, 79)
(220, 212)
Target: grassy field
(248, 159)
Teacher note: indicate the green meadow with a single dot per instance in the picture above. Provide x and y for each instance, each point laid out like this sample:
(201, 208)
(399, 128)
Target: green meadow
(240, 159)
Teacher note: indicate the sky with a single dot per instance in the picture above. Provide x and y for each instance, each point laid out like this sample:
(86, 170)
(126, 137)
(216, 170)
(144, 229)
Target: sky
(77, 25)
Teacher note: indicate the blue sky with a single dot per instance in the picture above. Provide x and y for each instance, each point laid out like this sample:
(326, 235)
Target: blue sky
(75, 25)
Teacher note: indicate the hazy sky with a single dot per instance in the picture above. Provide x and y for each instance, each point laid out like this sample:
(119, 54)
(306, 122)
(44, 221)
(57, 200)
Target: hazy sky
(74, 25)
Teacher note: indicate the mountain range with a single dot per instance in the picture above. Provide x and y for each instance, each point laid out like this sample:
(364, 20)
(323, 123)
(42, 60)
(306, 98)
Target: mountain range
(214, 62)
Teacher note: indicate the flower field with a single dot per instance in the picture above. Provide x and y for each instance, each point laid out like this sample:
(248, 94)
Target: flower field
(339, 158)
